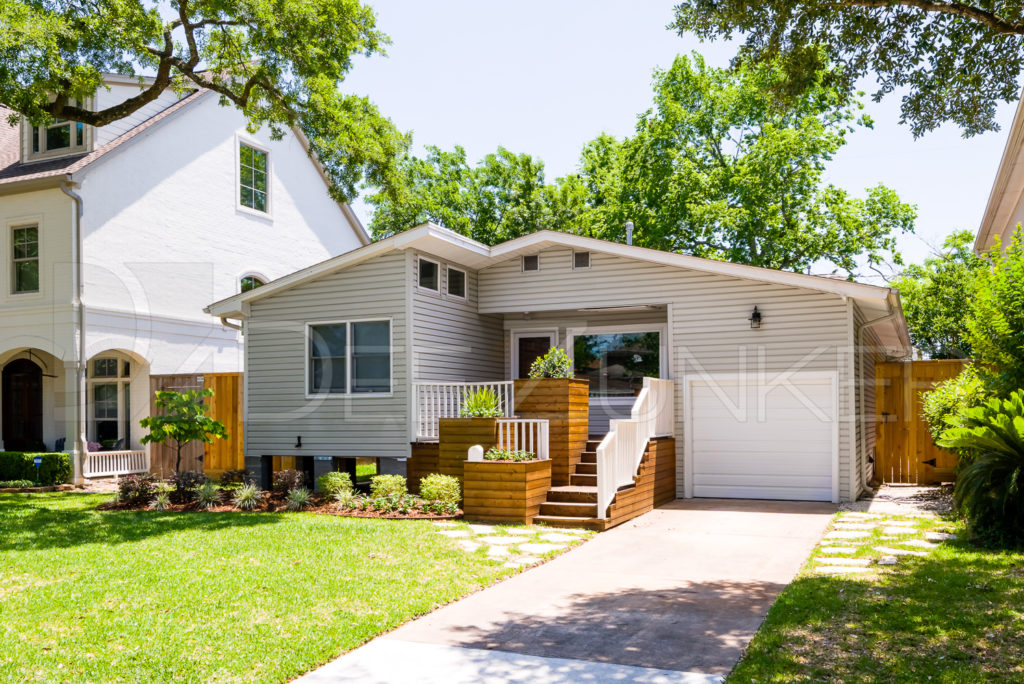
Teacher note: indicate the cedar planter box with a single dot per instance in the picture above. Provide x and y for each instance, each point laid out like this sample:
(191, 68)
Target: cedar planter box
(456, 435)
(423, 460)
(565, 403)
(505, 491)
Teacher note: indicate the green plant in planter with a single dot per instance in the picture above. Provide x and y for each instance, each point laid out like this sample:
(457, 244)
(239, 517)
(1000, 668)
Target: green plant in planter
(496, 454)
(554, 364)
(481, 403)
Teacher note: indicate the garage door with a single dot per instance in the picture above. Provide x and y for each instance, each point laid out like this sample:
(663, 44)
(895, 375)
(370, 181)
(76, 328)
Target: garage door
(763, 441)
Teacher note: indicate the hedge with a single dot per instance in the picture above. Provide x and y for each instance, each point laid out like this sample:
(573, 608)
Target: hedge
(18, 465)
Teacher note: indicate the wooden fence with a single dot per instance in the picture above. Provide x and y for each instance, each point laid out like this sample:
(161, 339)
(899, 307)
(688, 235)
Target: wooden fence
(904, 450)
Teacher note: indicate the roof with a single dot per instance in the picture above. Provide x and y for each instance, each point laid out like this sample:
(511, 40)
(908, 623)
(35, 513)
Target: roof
(1007, 188)
(448, 244)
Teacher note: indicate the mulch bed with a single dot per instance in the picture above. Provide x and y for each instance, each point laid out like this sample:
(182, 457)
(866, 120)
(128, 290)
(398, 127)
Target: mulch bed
(275, 502)
(29, 490)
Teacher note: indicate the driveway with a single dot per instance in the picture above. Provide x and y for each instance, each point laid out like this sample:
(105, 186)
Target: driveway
(671, 596)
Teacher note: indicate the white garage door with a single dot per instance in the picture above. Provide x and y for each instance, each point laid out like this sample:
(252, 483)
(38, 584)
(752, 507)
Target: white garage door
(773, 441)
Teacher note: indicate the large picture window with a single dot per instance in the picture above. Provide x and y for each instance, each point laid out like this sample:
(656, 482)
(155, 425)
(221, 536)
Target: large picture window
(350, 357)
(617, 363)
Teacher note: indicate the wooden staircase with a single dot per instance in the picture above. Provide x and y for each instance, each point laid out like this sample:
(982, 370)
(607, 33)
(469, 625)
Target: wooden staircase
(576, 504)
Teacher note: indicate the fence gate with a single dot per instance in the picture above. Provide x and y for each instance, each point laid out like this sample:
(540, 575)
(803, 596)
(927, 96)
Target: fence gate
(904, 450)
(225, 406)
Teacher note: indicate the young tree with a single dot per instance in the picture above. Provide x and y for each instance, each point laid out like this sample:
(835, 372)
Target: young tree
(182, 419)
(937, 297)
(279, 61)
(955, 59)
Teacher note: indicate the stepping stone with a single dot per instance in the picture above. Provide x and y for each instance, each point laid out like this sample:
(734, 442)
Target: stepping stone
(558, 537)
(861, 515)
(455, 533)
(846, 534)
(482, 529)
(540, 548)
(497, 551)
(899, 552)
(840, 570)
(846, 561)
(444, 523)
(521, 561)
(829, 550)
(888, 560)
(501, 541)
(899, 530)
(467, 545)
(919, 543)
(939, 536)
(854, 526)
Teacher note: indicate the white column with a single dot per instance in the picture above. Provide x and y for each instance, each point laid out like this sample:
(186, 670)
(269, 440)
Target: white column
(74, 417)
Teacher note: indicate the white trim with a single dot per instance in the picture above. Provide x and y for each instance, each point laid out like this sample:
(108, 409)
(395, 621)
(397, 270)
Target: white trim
(550, 333)
(259, 147)
(349, 394)
(660, 328)
(687, 409)
(522, 263)
(581, 251)
(419, 274)
(448, 268)
(8, 253)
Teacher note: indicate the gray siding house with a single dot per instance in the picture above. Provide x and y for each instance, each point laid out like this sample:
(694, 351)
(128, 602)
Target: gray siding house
(354, 356)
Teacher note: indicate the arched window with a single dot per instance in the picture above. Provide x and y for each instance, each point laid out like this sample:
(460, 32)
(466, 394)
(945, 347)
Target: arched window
(251, 283)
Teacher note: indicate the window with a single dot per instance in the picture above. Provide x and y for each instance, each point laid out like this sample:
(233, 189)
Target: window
(105, 412)
(105, 368)
(456, 282)
(252, 177)
(251, 283)
(580, 260)
(617, 363)
(59, 137)
(109, 402)
(26, 259)
(350, 358)
(430, 275)
(531, 262)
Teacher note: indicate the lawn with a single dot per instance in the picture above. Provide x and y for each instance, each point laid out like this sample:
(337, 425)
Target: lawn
(141, 596)
(953, 615)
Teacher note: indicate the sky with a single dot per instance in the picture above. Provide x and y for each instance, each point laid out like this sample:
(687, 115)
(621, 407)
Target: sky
(546, 77)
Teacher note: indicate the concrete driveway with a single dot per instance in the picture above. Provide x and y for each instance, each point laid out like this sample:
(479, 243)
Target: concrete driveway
(672, 596)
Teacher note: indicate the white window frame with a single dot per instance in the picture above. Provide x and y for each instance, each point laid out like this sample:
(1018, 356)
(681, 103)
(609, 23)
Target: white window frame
(349, 394)
(522, 263)
(447, 282)
(550, 333)
(121, 381)
(581, 268)
(250, 274)
(664, 367)
(38, 258)
(28, 131)
(249, 142)
(436, 263)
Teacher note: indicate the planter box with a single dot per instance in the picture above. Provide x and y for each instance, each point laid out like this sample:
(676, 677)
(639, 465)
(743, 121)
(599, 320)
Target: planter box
(456, 435)
(423, 460)
(503, 491)
(565, 403)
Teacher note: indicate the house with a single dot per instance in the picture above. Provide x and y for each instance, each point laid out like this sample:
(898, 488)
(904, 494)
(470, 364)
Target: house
(772, 372)
(114, 240)
(1005, 208)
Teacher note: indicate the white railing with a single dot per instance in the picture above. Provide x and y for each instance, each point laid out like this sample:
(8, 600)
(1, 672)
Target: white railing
(106, 463)
(436, 400)
(526, 434)
(620, 452)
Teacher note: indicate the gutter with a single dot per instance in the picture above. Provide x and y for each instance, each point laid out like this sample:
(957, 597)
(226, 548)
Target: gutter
(80, 444)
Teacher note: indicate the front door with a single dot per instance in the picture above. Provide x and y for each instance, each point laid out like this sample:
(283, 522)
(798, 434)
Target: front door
(528, 348)
(22, 398)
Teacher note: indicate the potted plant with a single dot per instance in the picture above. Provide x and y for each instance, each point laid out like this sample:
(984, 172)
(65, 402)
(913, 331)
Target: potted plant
(551, 392)
(477, 424)
(522, 479)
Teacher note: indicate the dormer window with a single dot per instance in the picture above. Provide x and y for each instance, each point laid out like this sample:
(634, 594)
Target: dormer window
(59, 138)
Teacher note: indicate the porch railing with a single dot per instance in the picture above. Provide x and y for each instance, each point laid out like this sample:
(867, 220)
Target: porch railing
(436, 400)
(106, 463)
(620, 452)
(526, 434)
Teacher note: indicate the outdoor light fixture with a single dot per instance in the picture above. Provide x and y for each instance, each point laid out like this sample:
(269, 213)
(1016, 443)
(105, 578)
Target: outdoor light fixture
(755, 319)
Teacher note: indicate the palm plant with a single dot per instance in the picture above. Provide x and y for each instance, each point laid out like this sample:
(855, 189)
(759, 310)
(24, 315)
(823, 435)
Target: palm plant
(990, 490)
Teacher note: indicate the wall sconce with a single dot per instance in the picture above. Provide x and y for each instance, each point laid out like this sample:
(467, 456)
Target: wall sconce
(755, 319)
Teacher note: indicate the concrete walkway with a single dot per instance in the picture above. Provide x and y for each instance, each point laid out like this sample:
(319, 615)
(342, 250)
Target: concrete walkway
(672, 596)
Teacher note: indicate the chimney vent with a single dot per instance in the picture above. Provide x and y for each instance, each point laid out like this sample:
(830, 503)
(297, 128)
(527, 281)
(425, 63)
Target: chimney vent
(629, 232)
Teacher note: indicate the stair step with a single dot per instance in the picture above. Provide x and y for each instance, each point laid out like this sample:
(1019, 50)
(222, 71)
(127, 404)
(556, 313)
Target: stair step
(567, 521)
(588, 457)
(572, 495)
(592, 444)
(584, 480)
(586, 468)
(569, 509)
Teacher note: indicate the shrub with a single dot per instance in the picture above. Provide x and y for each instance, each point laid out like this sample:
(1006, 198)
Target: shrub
(288, 480)
(20, 465)
(481, 403)
(208, 495)
(136, 490)
(298, 499)
(186, 484)
(440, 507)
(248, 497)
(496, 454)
(990, 490)
(16, 484)
(234, 477)
(332, 484)
(443, 488)
(395, 503)
(946, 403)
(346, 499)
(160, 502)
(384, 485)
(554, 364)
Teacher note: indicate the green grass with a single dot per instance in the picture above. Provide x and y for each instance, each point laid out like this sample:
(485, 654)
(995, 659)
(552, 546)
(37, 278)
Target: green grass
(364, 471)
(87, 595)
(956, 615)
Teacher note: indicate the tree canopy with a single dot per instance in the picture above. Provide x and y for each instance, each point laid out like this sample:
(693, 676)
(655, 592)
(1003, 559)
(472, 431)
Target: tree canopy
(278, 61)
(954, 60)
(937, 297)
(716, 168)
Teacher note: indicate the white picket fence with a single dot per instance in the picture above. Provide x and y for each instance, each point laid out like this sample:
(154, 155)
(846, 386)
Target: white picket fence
(526, 434)
(107, 463)
(437, 400)
(620, 452)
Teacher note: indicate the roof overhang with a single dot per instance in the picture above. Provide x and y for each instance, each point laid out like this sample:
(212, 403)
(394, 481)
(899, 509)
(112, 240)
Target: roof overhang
(1007, 188)
(17, 187)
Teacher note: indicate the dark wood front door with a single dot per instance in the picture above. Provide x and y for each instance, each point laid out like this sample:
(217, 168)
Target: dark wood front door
(530, 349)
(22, 399)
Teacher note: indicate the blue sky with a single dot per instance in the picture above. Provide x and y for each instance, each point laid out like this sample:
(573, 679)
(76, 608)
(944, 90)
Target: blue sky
(545, 77)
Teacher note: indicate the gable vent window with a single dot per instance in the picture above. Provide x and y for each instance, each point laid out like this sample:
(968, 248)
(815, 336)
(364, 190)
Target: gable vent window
(531, 262)
(430, 275)
(581, 260)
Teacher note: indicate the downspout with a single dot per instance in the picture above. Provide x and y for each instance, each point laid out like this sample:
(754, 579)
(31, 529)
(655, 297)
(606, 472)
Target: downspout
(80, 445)
(860, 383)
(228, 324)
